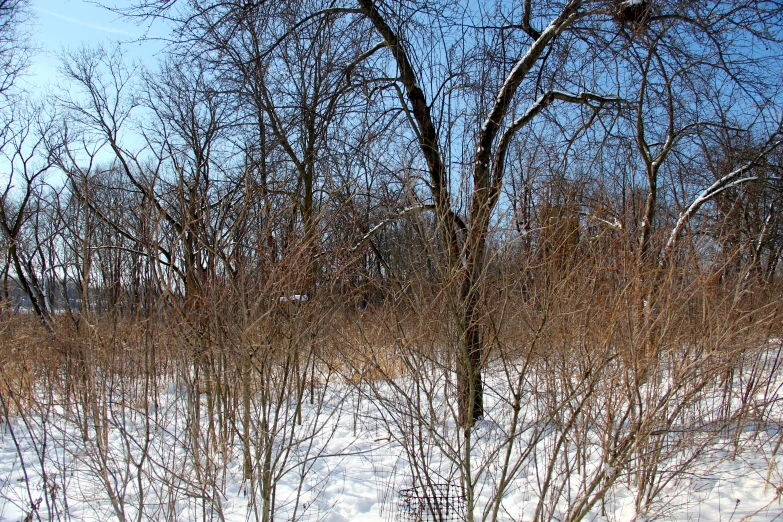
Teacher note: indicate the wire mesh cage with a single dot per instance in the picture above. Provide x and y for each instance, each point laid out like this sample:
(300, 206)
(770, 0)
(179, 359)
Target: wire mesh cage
(432, 503)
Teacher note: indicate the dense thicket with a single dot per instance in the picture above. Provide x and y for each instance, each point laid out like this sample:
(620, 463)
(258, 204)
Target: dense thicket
(353, 188)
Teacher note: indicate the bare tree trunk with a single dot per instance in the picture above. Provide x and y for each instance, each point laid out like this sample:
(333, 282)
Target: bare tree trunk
(470, 388)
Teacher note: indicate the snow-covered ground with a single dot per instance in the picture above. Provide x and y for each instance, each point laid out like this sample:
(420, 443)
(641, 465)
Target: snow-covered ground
(140, 457)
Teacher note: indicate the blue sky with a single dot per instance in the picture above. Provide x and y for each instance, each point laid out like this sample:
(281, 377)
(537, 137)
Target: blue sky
(69, 24)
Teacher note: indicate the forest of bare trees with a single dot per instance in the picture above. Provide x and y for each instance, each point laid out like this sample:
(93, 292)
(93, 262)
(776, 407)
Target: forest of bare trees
(559, 218)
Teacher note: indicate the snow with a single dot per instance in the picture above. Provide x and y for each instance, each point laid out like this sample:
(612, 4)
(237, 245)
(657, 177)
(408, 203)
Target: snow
(296, 298)
(346, 461)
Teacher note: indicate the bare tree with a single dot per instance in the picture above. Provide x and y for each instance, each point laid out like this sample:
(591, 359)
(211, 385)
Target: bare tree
(519, 67)
(24, 149)
(15, 49)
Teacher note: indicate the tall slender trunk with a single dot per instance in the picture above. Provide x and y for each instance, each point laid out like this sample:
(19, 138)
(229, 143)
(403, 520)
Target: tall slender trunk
(470, 388)
(648, 217)
(86, 261)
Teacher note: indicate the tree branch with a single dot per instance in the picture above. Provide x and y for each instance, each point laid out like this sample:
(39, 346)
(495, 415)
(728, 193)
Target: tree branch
(381, 225)
(732, 179)
(546, 99)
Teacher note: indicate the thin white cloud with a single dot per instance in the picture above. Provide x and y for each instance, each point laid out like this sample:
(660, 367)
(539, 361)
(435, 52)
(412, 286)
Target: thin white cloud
(102, 28)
